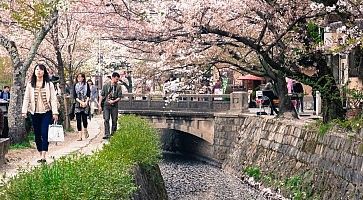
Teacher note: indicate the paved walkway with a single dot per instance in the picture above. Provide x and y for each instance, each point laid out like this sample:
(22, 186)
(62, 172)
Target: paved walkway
(27, 158)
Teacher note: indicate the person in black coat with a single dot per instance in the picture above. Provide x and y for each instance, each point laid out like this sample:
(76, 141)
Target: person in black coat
(268, 92)
(298, 89)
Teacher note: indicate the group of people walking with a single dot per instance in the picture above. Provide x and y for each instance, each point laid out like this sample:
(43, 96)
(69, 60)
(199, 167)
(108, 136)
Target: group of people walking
(296, 93)
(41, 102)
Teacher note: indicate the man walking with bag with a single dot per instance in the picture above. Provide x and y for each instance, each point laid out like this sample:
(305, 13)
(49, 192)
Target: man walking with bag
(108, 102)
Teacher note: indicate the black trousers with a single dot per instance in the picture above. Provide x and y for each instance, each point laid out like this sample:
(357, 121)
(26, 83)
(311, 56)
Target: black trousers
(81, 117)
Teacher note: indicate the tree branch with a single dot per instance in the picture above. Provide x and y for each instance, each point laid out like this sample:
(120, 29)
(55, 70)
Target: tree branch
(39, 38)
(245, 40)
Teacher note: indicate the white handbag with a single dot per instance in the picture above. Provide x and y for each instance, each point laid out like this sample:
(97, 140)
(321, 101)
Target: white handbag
(55, 133)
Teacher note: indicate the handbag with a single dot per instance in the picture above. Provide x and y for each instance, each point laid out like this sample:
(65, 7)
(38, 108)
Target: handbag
(55, 133)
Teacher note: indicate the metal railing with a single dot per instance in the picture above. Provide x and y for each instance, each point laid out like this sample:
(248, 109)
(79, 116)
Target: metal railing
(190, 102)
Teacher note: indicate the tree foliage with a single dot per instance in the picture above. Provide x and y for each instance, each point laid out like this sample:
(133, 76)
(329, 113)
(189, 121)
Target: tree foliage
(30, 15)
(5, 69)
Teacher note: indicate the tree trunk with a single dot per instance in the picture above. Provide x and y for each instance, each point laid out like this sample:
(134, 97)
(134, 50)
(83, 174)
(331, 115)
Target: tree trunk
(63, 108)
(332, 105)
(129, 84)
(285, 107)
(16, 122)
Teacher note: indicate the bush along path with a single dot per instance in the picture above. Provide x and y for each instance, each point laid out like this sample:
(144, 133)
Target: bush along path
(106, 174)
(24, 159)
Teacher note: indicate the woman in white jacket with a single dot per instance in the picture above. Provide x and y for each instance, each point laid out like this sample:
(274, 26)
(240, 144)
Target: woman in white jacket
(41, 101)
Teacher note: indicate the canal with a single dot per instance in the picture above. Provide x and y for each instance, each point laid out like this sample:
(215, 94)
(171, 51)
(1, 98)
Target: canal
(187, 178)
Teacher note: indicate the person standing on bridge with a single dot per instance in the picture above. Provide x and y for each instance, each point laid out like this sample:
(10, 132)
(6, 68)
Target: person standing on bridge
(111, 94)
(41, 101)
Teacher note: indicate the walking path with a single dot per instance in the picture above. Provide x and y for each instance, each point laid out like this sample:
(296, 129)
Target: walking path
(27, 158)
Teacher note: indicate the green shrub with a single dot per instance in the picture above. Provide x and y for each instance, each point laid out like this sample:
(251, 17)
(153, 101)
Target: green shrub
(103, 175)
(253, 172)
(297, 187)
(294, 184)
(353, 124)
(139, 142)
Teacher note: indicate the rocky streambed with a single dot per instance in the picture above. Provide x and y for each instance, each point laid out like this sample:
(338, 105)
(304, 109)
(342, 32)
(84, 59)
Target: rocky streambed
(190, 179)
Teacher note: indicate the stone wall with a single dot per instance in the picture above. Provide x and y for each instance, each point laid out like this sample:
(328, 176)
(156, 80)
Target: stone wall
(226, 129)
(332, 164)
(150, 183)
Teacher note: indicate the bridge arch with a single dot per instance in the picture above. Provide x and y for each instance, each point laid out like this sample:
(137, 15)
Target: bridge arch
(201, 127)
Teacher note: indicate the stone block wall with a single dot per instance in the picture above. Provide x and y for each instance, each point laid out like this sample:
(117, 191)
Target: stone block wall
(150, 183)
(226, 128)
(4, 147)
(333, 163)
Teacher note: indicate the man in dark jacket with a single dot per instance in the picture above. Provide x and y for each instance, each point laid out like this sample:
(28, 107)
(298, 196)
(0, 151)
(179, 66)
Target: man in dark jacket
(268, 92)
(5, 94)
(111, 94)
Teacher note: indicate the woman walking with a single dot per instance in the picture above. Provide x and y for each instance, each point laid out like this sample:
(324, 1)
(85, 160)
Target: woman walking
(93, 96)
(82, 96)
(41, 101)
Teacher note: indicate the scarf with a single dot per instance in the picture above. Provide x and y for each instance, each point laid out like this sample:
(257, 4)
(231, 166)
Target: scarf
(81, 89)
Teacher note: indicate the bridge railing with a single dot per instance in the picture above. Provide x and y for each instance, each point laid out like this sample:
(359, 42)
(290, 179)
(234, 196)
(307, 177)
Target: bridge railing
(190, 102)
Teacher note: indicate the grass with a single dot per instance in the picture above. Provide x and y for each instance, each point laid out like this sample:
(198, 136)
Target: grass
(297, 187)
(254, 172)
(24, 144)
(353, 124)
(104, 175)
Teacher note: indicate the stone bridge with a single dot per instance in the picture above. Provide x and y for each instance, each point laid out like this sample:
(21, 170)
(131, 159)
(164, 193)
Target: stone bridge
(188, 123)
(198, 124)
(189, 113)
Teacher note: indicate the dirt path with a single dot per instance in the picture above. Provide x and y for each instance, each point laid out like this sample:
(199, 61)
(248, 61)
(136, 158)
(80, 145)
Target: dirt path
(27, 158)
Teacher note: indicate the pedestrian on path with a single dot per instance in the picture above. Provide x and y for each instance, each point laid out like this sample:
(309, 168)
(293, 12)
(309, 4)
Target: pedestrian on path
(108, 102)
(270, 94)
(93, 96)
(41, 101)
(299, 91)
(82, 108)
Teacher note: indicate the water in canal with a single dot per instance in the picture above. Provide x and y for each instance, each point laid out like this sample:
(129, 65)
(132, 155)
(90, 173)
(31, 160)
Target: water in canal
(187, 178)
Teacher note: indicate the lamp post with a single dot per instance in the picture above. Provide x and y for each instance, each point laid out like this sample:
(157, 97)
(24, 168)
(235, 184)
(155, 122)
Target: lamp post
(99, 79)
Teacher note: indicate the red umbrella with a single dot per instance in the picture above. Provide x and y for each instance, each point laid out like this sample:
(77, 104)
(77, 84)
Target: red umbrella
(251, 77)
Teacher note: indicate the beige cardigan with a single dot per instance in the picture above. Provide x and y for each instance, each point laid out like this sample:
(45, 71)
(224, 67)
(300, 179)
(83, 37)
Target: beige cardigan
(29, 103)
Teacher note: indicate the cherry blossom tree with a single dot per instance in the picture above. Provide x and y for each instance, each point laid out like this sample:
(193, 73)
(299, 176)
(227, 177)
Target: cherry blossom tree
(276, 34)
(35, 19)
